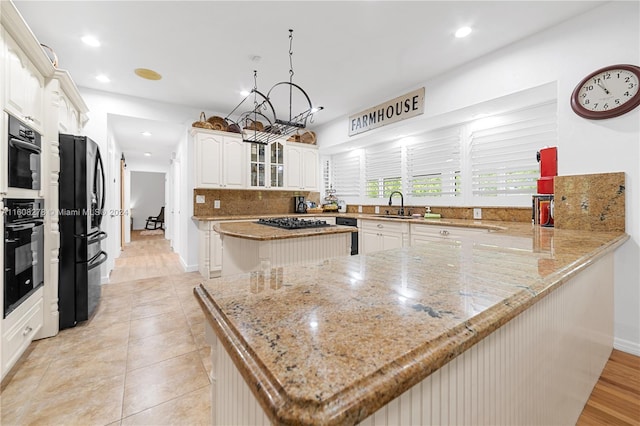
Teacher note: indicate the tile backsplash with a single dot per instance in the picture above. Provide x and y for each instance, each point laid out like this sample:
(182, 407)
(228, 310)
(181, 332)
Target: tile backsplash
(508, 214)
(247, 201)
(593, 202)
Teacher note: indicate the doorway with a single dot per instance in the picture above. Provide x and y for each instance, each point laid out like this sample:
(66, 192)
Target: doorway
(147, 200)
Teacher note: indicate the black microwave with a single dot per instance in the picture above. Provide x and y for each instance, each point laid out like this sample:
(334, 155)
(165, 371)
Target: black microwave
(23, 156)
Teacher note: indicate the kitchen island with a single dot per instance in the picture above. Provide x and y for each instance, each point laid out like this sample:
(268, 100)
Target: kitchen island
(252, 246)
(433, 334)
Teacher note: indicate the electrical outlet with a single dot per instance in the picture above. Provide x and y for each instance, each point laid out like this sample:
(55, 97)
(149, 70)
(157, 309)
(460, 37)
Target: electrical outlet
(216, 204)
(377, 209)
(477, 213)
(359, 209)
(200, 199)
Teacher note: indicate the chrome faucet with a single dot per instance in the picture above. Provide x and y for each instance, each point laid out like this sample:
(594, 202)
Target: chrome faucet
(401, 211)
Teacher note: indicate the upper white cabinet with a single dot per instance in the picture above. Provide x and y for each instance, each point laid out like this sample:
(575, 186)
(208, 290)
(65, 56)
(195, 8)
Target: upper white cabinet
(267, 165)
(220, 160)
(24, 86)
(302, 166)
(68, 116)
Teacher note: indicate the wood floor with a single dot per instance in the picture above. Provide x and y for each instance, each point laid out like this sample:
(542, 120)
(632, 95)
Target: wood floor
(615, 399)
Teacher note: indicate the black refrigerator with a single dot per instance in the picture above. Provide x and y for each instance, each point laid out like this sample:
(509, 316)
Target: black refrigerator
(81, 210)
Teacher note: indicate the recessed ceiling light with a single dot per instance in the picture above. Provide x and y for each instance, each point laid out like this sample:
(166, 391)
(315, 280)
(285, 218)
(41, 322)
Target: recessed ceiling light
(147, 74)
(103, 78)
(90, 41)
(245, 93)
(147, 154)
(145, 133)
(463, 32)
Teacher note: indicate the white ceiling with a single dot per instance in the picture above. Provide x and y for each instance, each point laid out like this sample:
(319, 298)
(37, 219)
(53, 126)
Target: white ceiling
(347, 55)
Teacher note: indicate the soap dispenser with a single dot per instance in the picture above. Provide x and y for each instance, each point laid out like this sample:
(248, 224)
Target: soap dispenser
(427, 212)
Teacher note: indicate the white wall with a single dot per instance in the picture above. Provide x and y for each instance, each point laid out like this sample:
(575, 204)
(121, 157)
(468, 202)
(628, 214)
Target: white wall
(609, 34)
(147, 196)
(101, 104)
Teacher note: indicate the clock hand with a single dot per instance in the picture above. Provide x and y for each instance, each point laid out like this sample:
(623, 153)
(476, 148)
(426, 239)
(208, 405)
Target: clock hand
(603, 88)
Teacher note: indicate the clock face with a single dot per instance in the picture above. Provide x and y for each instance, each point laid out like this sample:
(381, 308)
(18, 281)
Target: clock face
(608, 92)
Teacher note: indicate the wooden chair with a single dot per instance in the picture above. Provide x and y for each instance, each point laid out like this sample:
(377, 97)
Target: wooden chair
(155, 222)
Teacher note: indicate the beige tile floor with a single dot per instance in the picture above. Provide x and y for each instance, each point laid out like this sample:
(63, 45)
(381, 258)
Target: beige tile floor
(141, 359)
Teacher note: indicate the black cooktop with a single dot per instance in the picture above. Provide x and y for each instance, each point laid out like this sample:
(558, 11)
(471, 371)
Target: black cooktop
(292, 223)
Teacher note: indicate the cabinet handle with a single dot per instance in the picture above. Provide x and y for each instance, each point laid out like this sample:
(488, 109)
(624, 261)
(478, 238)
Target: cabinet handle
(28, 117)
(444, 232)
(27, 330)
(380, 225)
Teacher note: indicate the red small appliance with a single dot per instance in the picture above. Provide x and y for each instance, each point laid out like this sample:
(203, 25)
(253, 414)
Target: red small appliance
(548, 159)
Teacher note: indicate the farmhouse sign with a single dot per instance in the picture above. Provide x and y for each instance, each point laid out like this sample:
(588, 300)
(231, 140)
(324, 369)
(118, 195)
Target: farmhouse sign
(405, 106)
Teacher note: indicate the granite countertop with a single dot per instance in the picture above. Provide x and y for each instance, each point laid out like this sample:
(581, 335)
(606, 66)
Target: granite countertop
(256, 231)
(331, 342)
(489, 225)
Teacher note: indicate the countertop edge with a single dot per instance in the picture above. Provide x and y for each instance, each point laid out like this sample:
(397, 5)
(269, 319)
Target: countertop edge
(364, 397)
(459, 223)
(280, 234)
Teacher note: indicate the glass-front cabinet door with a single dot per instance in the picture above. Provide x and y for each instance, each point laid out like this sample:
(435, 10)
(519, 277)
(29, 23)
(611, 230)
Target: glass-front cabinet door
(277, 164)
(258, 165)
(267, 165)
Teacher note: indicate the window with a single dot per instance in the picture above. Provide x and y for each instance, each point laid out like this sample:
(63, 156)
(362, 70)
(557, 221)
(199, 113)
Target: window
(383, 170)
(345, 173)
(433, 164)
(503, 148)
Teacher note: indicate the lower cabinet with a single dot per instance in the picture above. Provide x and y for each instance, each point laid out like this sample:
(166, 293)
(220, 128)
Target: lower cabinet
(382, 235)
(19, 329)
(209, 250)
(422, 234)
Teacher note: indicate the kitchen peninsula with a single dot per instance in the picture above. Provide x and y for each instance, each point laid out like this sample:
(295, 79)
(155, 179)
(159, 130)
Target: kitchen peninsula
(253, 246)
(431, 334)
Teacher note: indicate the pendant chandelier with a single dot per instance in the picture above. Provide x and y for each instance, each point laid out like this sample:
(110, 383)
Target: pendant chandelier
(284, 110)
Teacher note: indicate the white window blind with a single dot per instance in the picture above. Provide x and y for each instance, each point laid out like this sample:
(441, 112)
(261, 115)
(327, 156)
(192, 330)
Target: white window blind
(345, 173)
(383, 170)
(503, 150)
(433, 164)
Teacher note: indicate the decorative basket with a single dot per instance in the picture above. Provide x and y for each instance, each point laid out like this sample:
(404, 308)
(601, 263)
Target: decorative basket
(51, 54)
(294, 138)
(308, 137)
(203, 123)
(254, 125)
(218, 123)
(314, 210)
(234, 128)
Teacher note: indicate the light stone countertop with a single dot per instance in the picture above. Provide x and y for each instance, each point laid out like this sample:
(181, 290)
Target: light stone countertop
(256, 231)
(491, 225)
(331, 342)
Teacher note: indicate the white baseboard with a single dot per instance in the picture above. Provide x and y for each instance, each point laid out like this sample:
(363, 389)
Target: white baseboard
(627, 346)
(188, 268)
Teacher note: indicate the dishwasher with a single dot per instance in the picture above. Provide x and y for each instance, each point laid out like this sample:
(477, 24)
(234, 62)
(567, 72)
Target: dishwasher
(347, 221)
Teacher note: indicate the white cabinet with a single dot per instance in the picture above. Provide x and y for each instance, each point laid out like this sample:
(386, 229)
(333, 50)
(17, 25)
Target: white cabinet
(379, 235)
(24, 86)
(19, 329)
(68, 116)
(267, 165)
(302, 166)
(423, 234)
(209, 250)
(220, 160)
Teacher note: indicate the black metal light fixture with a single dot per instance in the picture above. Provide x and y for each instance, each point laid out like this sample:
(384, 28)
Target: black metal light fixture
(264, 123)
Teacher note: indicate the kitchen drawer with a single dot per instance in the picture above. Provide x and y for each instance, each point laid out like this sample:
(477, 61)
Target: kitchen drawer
(423, 233)
(384, 226)
(18, 337)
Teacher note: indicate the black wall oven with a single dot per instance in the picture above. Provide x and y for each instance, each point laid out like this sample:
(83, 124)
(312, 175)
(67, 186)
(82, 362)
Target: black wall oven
(23, 250)
(23, 155)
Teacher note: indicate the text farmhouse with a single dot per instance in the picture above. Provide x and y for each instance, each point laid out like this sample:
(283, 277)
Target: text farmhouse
(400, 108)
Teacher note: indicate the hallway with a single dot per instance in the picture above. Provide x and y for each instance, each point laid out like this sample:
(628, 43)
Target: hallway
(140, 360)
